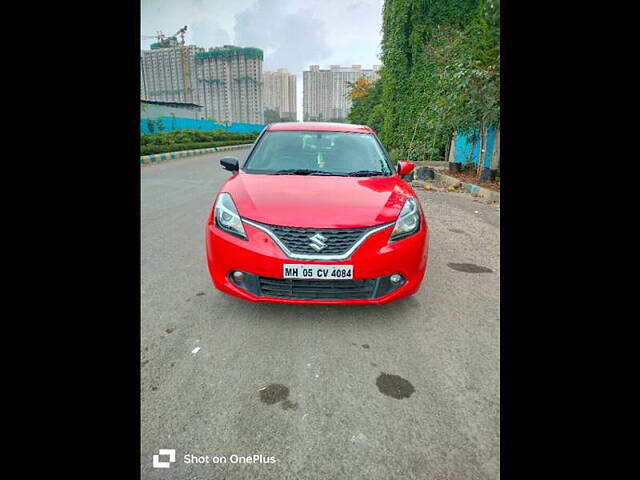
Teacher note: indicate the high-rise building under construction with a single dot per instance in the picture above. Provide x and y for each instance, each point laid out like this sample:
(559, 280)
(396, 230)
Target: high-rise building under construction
(230, 83)
(168, 73)
(226, 81)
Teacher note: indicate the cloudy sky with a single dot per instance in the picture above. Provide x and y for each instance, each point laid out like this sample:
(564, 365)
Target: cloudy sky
(293, 33)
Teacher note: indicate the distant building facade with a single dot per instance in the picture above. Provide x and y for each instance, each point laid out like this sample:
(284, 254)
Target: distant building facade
(230, 84)
(226, 81)
(324, 95)
(279, 93)
(168, 74)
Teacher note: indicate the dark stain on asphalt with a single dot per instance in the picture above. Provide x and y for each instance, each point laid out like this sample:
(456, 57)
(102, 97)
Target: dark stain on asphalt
(365, 345)
(154, 388)
(273, 393)
(199, 294)
(374, 364)
(394, 386)
(169, 330)
(288, 404)
(456, 230)
(144, 363)
(469, 268)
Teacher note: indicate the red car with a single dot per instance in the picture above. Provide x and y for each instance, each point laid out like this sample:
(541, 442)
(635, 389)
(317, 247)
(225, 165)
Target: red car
(317, 214)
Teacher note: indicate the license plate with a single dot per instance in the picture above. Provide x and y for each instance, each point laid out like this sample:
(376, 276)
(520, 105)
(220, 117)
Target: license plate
(318, 272)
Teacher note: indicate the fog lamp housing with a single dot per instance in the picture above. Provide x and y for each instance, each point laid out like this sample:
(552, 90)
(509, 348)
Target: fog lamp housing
(246, 281)
(388, 284)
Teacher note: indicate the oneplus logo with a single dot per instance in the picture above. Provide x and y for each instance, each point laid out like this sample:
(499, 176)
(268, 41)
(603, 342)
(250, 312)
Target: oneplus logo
(156, 458)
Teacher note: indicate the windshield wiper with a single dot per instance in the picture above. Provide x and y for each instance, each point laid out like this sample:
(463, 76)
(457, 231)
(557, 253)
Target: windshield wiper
(365, 173)
(303, 171)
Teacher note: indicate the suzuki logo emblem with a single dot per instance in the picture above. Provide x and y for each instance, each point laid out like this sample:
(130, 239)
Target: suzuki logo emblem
(317, 242)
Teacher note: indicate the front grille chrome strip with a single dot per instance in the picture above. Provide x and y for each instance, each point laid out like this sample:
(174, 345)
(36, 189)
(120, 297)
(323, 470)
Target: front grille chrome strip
(299, 256)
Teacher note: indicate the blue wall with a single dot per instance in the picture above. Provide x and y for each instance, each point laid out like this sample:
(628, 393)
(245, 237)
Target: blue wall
(464, 144)
(204, 125)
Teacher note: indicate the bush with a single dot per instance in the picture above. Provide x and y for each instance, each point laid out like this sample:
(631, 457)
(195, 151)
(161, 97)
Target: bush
(395, 156)
(149, 149)
(194, 136)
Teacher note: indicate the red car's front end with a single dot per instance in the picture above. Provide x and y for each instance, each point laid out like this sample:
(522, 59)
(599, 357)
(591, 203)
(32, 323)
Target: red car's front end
(329, 237)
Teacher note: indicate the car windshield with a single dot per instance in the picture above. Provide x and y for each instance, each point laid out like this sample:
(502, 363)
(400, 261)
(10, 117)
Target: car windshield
(318, 153)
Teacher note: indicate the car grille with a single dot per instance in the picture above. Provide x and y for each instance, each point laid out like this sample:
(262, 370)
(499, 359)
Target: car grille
(317, 289)
(338, 240)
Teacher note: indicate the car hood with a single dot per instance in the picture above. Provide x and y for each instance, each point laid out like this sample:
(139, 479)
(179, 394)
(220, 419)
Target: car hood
(318, 201)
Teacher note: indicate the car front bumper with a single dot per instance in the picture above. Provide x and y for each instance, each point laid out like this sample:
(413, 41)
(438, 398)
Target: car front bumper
(375, 260)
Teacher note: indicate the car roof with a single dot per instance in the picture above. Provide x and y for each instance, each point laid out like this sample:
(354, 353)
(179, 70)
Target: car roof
(319, 126)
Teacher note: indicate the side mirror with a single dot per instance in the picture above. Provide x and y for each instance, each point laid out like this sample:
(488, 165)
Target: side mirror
(230, 163)
(405, 168)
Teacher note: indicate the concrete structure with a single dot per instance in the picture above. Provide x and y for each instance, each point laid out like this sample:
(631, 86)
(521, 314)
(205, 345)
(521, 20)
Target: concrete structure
(325, 91)
(226, 81)
(155, 109)
(230, 84)
(279, 93)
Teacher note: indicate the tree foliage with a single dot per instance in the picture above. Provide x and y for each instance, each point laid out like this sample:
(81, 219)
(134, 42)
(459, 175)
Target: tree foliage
(441, 73)
(359, 88)
(271, 116)
(367, 109)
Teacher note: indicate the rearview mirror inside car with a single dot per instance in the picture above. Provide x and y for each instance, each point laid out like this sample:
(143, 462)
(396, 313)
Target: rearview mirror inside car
(229, 163)
(405, 168)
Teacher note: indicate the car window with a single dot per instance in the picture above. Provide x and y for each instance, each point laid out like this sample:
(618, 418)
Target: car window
(339, 153)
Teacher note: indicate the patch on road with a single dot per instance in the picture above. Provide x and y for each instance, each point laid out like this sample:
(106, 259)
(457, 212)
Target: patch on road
(394, 386)
(456, 230)
(365, 346)
(469, 268)
(274, 393)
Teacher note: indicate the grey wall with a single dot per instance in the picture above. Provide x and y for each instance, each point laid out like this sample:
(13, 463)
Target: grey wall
(155, 111)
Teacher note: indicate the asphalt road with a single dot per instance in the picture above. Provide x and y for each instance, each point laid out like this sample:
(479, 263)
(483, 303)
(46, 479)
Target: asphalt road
(334, 421)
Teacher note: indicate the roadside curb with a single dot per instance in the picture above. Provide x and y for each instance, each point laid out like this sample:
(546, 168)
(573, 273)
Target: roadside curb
(163, 157)
(446, 180)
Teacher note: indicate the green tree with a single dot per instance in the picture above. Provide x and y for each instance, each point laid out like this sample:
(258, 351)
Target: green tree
(367, 108)
(441, 73)
(271, 116)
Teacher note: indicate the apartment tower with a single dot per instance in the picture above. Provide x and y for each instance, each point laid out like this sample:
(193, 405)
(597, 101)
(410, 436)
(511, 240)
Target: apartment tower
(324, 95)
(279, 93)
(167, 73)
(230, 84)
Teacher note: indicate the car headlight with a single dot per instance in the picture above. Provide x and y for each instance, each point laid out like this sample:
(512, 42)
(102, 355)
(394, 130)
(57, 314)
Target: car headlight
(408, 222)
(226, 216)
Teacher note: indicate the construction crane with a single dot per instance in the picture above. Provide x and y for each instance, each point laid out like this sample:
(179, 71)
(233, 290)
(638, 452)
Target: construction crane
(158, 36)
(186, 74)
(181, 32)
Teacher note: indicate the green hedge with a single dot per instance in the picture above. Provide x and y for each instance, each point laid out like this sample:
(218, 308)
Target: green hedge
(178, 147)
(194, 136)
